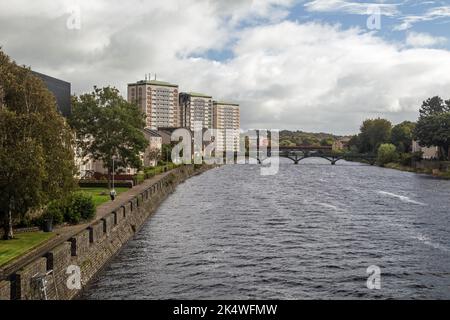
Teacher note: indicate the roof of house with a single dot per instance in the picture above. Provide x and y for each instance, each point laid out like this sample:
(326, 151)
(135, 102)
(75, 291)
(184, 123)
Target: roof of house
(151, 132)
(226, 103)
(200, 95)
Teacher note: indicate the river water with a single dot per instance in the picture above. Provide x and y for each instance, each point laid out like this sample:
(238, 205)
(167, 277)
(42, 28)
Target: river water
(309, 232)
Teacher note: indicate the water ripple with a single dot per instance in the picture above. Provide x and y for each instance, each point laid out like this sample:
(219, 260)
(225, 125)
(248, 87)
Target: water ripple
(309, 232)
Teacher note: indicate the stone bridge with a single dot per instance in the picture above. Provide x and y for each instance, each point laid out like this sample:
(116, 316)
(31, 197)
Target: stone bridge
(298, 153)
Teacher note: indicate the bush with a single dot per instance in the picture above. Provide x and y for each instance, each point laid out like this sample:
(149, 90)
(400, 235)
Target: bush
(81, 207)
(406, 159)
(55, 212)
(139, 178)
(71, 216)
(73, 209)
(387, 153)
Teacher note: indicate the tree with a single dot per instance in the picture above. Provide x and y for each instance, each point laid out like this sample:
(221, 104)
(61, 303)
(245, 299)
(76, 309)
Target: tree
(326, 142)
(434, 105)
(154, 155)
(354, 144)
(402, 136)
(386, 153)
(374, 132)
(434, 130)
(36, 146)
(166, 152)
(108, 127)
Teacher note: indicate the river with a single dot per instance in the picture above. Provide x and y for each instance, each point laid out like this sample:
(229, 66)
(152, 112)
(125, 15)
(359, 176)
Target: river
(309, 232)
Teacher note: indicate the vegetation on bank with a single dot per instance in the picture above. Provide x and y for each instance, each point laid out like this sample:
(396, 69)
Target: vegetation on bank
(300, 138)
(393, 144)
(21, 244)
(36, 146)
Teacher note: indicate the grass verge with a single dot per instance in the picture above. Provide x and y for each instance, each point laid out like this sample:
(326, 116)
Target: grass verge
(21, 244)
(101, 195)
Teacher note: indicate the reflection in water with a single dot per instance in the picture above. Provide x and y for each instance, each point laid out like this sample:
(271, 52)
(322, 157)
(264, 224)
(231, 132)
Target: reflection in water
(309, 232)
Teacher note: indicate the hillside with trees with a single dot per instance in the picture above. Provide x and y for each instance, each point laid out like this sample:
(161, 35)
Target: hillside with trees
(301, 138)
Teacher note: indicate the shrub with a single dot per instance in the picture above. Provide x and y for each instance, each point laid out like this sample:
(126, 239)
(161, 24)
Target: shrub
(81, 207)
(406, 159)
(76, 207)
(139, 178)
(54, 211)
(387, 153)
(71, 216)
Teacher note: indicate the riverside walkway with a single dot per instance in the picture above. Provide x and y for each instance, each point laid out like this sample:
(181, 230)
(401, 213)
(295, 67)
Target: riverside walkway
(65, 233)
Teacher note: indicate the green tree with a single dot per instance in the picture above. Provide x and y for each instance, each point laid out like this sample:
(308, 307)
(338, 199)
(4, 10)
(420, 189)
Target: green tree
(374, 132)
(166, 152)
(386, 153)
(354, 144)
(36, 146)
(325, 142)
(433, 128)
(402, 136)
(434, 105)
(108, 127)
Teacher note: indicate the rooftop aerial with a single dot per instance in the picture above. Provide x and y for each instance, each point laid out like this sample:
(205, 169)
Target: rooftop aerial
(155, 83)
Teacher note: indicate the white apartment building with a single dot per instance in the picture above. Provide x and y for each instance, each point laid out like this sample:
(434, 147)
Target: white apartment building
(158, 100)
(196, 107)
(226, 118)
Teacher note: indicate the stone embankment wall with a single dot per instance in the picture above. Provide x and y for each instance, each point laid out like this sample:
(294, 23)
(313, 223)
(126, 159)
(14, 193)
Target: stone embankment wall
(54, 275)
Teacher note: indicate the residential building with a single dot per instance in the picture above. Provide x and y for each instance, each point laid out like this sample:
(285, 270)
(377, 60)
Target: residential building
(427, 152)
(158, 100)
(196, 107)
(61, 90)
(88, 167)
(166, 134)
(340, 144)
(153, 151)
(226, 118)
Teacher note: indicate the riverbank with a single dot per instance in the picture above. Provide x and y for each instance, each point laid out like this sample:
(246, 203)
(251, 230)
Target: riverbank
(69, 261)
(433, 172)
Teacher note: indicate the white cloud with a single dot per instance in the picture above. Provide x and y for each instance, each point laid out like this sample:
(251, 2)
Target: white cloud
(430, 15)
(423, 40)
(351, 7)
(309, 76)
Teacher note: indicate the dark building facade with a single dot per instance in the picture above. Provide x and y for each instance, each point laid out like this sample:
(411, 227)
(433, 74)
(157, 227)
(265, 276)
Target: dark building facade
(61, 90)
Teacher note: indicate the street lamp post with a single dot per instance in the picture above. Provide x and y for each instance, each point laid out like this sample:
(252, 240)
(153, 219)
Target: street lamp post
(113, 172)
(113, 191)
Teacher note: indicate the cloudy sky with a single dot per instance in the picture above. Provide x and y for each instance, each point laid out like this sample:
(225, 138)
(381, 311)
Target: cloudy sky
(322, 65)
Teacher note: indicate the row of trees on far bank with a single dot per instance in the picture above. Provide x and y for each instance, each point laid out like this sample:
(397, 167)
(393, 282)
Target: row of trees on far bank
(393, 143)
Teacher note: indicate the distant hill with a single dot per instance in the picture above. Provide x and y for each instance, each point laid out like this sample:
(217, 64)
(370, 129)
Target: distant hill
(297, 138)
